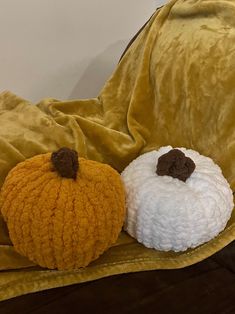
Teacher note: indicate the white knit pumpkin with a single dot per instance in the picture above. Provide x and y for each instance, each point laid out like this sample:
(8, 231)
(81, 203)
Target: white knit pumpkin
(166, 213)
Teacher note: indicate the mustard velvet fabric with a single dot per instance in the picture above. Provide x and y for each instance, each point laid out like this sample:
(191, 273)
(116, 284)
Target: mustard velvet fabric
(174, 86)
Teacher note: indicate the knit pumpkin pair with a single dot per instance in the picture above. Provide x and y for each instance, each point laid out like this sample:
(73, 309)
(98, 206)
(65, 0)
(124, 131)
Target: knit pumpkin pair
(63, 211)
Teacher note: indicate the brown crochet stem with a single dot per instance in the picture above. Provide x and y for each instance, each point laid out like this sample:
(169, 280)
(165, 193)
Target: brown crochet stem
(65, 162)
(175, 164)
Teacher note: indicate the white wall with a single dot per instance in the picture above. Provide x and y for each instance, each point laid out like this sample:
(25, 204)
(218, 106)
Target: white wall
(65, 48)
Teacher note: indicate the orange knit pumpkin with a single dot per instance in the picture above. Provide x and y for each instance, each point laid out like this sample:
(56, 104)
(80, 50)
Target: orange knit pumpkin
(63, 211)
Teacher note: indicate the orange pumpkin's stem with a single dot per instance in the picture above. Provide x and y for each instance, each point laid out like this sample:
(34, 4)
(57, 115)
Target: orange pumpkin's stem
(65, 162)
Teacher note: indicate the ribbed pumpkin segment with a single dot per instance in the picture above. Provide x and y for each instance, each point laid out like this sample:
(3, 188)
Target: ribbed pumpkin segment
(62, 226)
(43, 223)
(59, 221)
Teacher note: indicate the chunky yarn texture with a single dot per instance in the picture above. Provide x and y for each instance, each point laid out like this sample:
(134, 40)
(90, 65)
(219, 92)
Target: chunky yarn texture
(166, 213)
(59, 222)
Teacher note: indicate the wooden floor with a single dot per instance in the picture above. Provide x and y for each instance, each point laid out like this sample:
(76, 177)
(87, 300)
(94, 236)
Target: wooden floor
(207, 287)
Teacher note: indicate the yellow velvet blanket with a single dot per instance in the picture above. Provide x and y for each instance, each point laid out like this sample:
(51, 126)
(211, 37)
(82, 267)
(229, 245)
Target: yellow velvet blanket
(174, 86)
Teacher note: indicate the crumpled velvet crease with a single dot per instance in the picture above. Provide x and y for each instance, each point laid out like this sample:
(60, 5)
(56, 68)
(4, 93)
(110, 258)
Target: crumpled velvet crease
(174, 86)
